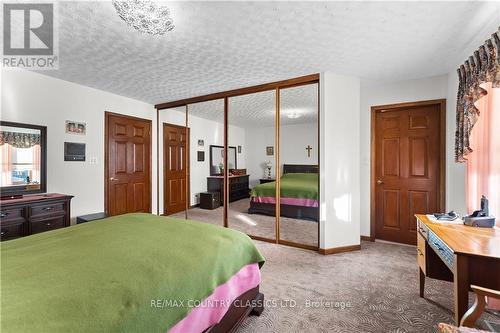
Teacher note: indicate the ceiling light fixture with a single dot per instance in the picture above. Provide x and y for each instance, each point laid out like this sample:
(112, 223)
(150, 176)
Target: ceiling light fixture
(145, 16)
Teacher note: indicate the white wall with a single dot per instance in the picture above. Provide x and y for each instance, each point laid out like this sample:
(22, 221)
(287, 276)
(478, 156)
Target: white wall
(294, 140)
(410, 91)
(33, 98)
(455, 172)
(212, 132)
(340, 160)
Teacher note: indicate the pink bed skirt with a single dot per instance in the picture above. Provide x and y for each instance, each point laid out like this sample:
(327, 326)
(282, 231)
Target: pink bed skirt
(288, 201)
(215, 306)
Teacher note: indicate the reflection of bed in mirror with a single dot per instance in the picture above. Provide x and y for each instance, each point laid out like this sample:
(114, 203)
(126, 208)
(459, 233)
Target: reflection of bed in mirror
(299, 194)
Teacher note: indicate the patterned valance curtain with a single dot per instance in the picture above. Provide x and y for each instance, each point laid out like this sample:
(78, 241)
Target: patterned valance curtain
(482, 67)
(19, 140)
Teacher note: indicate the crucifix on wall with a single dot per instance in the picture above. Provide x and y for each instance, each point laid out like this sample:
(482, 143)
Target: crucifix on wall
(308, 148)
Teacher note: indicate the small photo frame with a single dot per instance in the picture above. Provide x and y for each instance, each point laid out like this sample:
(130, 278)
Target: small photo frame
(75, 127)
(201, 156)
(239, 149)
(201, 142)
(269, 150)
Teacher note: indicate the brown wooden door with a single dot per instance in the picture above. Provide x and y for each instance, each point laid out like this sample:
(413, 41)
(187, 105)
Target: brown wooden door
(176, 168)
(128, 160)
(407, 167)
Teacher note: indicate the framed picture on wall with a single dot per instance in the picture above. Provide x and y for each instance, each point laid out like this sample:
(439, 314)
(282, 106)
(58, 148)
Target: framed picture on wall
(75, 127)
(201, 156)
(270, 150)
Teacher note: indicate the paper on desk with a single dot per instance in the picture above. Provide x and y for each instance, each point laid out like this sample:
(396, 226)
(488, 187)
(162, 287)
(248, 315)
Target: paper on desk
(432, 218)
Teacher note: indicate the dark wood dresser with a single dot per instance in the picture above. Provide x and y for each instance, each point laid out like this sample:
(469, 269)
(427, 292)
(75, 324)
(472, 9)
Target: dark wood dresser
(33, 214)
(238, 186)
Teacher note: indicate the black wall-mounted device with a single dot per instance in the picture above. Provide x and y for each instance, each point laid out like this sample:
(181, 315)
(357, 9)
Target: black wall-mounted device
(74, 151)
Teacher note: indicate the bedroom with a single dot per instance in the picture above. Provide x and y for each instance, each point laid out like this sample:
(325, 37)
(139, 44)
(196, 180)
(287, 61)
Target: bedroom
(109, 72)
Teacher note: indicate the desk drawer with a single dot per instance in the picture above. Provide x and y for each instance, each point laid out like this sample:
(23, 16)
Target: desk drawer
(422, 229)
(421, 252)
(442, 250)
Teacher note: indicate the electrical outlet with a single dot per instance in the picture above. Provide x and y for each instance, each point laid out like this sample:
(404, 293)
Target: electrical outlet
(93, 160)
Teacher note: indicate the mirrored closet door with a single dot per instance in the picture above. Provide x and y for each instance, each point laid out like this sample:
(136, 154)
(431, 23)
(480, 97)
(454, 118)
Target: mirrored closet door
(206, 162)
(299, 173)
(248, 161)
(173, 168)
(251, 152)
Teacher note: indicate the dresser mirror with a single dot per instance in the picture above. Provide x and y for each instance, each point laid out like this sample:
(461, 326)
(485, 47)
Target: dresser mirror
(217, 160)
(23, 154)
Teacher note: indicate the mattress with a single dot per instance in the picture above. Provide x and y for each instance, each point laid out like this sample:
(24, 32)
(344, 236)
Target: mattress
(109, 275)
(296, 189)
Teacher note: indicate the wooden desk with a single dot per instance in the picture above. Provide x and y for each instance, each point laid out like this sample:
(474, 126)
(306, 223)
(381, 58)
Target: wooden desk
(461, 254)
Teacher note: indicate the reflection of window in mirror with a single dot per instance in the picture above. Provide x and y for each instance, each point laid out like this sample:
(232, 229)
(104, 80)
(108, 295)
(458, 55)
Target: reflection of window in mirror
(20, 152)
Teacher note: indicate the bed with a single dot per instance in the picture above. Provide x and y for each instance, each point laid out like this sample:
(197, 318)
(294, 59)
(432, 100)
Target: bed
(299, 194)
(130, 273)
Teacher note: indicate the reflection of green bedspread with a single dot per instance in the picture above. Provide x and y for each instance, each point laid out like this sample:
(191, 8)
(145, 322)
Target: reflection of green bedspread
(102, 276)
(292, 185)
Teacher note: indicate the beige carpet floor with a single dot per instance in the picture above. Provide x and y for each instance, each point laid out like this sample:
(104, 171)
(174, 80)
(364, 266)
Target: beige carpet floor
(372, 290)
(294, 230)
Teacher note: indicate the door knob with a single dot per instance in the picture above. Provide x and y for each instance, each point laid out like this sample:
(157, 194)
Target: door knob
(112, 178)
(379, 182)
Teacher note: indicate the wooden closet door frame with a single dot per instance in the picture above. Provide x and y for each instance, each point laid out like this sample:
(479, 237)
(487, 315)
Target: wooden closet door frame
(442, 154)
(108, 114)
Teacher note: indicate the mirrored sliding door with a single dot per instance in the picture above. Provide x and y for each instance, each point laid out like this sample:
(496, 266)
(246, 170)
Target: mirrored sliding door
(248, 160)
(251, 153)
(206, 162)
(173, 157)
(299, 173)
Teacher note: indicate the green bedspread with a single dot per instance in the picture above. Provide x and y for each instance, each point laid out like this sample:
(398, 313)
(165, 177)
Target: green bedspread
(292, 185)
(102, 276)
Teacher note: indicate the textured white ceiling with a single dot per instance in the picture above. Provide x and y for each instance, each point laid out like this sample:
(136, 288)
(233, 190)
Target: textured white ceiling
(259, 110)
(218, 46)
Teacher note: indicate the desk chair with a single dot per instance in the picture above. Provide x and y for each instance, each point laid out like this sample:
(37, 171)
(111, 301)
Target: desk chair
(472, 315)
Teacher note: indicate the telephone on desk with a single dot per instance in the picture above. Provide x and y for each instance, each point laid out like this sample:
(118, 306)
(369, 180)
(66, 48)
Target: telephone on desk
(481, 218)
